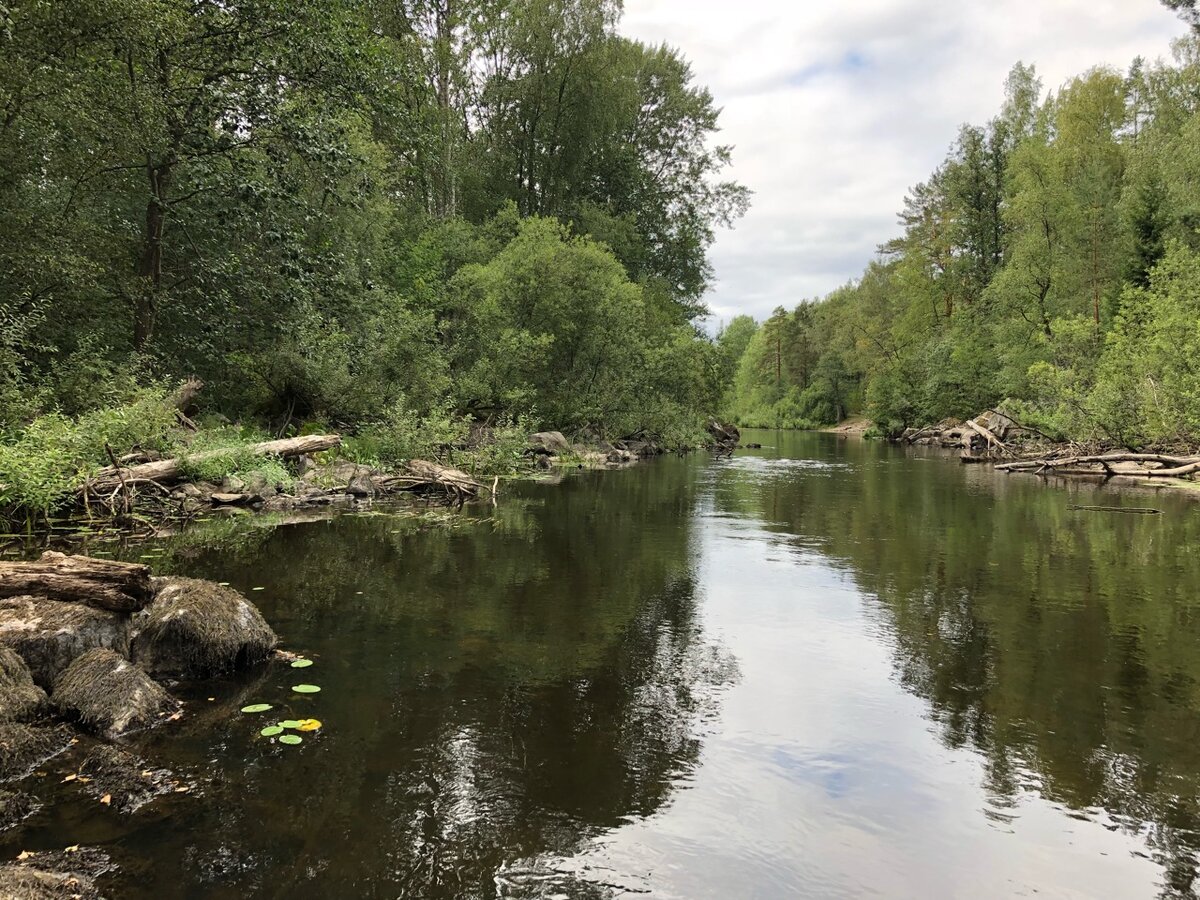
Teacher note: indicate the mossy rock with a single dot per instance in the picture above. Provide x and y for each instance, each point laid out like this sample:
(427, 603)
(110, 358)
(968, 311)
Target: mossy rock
(55, 875)
(198, 629)
(124, 778)
(110, 696)
(25, 747)
(15, 808)
(20, 699)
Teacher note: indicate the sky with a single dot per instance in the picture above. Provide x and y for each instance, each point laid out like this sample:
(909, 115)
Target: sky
(836, 108)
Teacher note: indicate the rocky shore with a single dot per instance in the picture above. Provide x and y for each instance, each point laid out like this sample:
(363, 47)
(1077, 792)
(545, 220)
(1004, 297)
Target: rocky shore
(90, 652)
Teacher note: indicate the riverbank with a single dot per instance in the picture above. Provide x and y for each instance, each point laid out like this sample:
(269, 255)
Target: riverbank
(996, 439)
(147, 465)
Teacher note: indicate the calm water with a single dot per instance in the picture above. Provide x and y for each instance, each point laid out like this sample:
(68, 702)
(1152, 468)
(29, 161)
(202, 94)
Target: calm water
(824, 669)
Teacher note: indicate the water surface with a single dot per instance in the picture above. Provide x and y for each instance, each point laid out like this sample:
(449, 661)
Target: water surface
(824, 669)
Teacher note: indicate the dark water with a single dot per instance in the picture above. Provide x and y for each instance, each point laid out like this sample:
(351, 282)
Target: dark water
(824, 669)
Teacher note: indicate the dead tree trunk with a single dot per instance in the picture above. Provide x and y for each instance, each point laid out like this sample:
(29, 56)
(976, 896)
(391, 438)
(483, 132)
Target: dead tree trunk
(115, 586)
(171, 470)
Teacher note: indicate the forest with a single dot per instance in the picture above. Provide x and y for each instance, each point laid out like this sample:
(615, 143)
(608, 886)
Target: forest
(398, 217)
(1050, 265)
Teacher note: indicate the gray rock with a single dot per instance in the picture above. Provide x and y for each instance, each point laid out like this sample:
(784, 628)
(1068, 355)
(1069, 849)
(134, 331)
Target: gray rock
(50, 634)
(361, 485)
(551, 442)
(233, 485)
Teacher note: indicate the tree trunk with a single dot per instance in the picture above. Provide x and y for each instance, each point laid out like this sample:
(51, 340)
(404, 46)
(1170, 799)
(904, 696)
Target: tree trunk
(114, 586)
(170, 470)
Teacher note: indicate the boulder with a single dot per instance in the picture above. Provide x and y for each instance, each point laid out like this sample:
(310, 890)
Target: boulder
(233, 485)
(25, 747)
(550, 443)
(49, 634)
(20, 698)
(110, 696)
(197, 629)
(361, 485)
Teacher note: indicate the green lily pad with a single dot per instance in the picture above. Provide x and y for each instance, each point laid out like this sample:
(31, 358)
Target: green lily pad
(271, 731)
(256, 708)
(306, 689)
(302, 664)
(289, 723)
(291, 739)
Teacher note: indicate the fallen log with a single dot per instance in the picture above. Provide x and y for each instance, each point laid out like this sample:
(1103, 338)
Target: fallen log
(425, 476)
(989, 436)
(1172, 465)
(102, 583)
(167, 471)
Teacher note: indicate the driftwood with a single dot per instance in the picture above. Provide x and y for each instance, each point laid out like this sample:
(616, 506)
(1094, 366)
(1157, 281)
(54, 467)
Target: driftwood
(1135, 510)
(988, 436)
(105, 584)
(1169, 466)
(425, 477)
(166, 471)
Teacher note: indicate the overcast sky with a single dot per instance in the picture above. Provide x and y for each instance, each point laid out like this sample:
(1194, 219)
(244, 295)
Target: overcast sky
(837, 107)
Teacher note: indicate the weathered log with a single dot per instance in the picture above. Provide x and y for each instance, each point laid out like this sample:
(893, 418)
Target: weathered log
(171, 470)
(1172, 466)
(426, 475)
(102, 583)
(988, 436)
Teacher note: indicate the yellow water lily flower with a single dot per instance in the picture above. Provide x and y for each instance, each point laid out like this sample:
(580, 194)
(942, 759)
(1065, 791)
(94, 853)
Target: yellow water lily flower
(309, 725)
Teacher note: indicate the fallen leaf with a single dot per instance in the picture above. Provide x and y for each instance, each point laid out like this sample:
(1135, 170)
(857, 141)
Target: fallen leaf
(146, 773)
(211, 699)
(70, 777)
(74, 848)
(83, 780)
(175, 717)
(182, 790)
(24, 854)
(106, 799)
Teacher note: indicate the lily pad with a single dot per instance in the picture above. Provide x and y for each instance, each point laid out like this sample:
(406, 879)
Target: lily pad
(256, 708)
(289, 723)
(302, 664)
(271, 731)
(291, 739)
(306, 689)
(309, 725)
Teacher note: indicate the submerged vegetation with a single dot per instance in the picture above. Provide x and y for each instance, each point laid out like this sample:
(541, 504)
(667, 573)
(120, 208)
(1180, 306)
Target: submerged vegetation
(400, 222)
(1049, 267)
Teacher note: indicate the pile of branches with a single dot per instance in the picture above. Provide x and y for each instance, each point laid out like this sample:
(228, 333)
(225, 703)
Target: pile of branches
(1131, 465)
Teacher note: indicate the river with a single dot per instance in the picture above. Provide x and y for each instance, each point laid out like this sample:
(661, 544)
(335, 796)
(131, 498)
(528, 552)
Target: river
(827, 668)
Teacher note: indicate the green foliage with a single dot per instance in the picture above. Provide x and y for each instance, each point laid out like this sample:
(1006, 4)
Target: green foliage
(214, 454)
(329, 209)
(44, 462)
(1033, 273)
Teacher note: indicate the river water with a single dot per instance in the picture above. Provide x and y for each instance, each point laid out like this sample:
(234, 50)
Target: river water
(823, 669)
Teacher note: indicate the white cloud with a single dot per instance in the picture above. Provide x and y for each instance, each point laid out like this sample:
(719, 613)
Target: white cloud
(836, 109)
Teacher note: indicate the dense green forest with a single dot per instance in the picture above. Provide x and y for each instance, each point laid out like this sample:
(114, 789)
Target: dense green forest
(346, 213)
(1051, 264)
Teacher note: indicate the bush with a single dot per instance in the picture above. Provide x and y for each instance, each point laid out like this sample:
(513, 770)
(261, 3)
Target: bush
(43, 465)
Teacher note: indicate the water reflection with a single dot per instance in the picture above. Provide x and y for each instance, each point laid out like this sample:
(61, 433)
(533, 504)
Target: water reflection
(493, 690)
(1061, 646)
